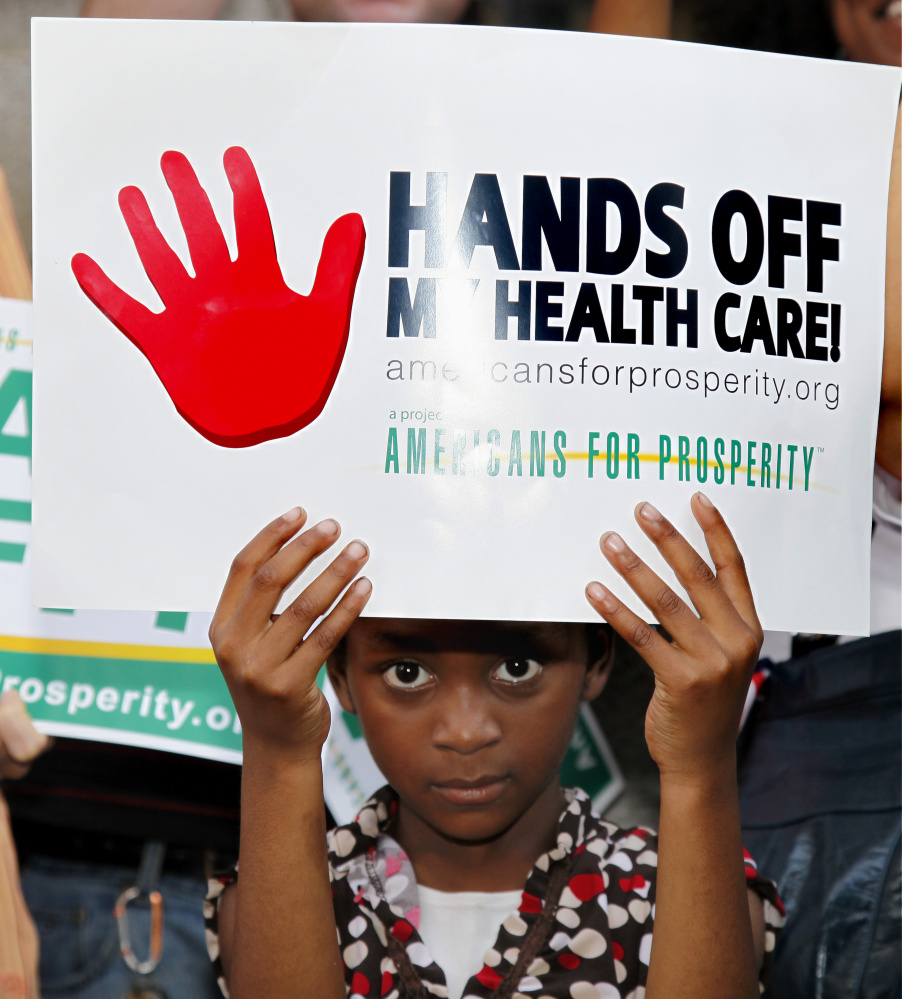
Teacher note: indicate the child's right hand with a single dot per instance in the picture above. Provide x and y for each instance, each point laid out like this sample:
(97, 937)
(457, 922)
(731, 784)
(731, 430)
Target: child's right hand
(268, 665)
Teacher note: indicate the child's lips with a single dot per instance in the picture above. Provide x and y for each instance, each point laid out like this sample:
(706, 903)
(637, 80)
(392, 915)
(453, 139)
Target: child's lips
(478, 791)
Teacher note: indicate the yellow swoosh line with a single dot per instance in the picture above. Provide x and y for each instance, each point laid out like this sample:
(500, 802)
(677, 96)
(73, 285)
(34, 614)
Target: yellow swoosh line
(105, 650)
(603, 456)
(584, 456)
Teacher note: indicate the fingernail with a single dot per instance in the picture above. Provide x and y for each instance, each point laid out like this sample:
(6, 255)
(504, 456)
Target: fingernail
(293, 514)
(703, 499)
(362, 586)
(356, 550)
(327, 526)
(602, 595)
(613, 542)
(650, 513)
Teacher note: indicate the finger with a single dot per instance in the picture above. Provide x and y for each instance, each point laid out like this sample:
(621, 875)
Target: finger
(266, 586)
(263, 546)
(20, 741)
(253, 226)
(324, 638)
(339, 262)
(166, 272)
(295, 621)
(692, 571)
(206, 244)
(637, 633)
(728, 561)
(667, 606)
(136, 321)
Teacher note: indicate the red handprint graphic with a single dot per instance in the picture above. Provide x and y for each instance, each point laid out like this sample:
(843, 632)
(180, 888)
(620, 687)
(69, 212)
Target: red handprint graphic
(198, 345)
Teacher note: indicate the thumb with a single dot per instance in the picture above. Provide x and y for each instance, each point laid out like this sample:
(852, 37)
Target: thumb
(340, 260)
(20, 741)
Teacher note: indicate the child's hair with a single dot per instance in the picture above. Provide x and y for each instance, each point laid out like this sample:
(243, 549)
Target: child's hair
(599, 641)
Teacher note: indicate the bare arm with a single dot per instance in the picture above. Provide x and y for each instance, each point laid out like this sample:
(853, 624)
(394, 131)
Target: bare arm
(278, 934)
(703, 946)
(644, 18)
(283, 940)
(889, 430)
(703, 906)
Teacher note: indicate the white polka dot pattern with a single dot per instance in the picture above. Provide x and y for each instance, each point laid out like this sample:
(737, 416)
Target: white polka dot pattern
(599, 943)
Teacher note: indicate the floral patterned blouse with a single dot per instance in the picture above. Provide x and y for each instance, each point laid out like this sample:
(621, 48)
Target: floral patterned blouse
(583, 928)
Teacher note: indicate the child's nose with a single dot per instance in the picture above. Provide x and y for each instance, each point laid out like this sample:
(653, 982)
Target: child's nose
(465, 723)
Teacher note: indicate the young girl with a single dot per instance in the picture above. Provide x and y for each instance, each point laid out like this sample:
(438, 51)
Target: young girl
(474, 873)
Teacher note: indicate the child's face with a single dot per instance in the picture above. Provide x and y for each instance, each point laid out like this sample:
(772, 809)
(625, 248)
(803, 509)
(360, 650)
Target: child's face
(468, 721)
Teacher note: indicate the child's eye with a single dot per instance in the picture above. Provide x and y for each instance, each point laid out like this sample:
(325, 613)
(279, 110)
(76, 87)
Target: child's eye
(406, 675)
(517, 670)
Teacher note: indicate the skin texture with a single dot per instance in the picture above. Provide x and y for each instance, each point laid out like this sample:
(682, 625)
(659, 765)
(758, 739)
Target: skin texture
(642, 18)
(279, 930)
(468, 718)
(397, 11)
(450, 703)
(865, 33)
(701, 679)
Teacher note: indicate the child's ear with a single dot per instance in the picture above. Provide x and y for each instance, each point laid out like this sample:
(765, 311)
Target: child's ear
(335, 666)
(598, 671)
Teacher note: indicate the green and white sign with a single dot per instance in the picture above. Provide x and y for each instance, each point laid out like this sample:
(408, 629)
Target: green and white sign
(141, 678)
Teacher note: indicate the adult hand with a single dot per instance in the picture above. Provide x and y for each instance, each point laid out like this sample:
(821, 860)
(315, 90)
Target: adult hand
(701, 676)
(243, 357)
(268, 664)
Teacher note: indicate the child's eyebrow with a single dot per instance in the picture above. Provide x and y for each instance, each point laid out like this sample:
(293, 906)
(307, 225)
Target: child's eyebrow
(408, 643)
(539, 639)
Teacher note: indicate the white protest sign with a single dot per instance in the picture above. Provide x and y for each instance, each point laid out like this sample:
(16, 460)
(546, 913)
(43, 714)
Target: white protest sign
(596, 270)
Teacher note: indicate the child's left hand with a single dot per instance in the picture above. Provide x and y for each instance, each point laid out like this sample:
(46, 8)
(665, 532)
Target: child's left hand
(701, 676)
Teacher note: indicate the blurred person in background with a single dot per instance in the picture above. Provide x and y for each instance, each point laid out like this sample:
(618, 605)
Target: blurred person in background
(858, 30)
(391, 11)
